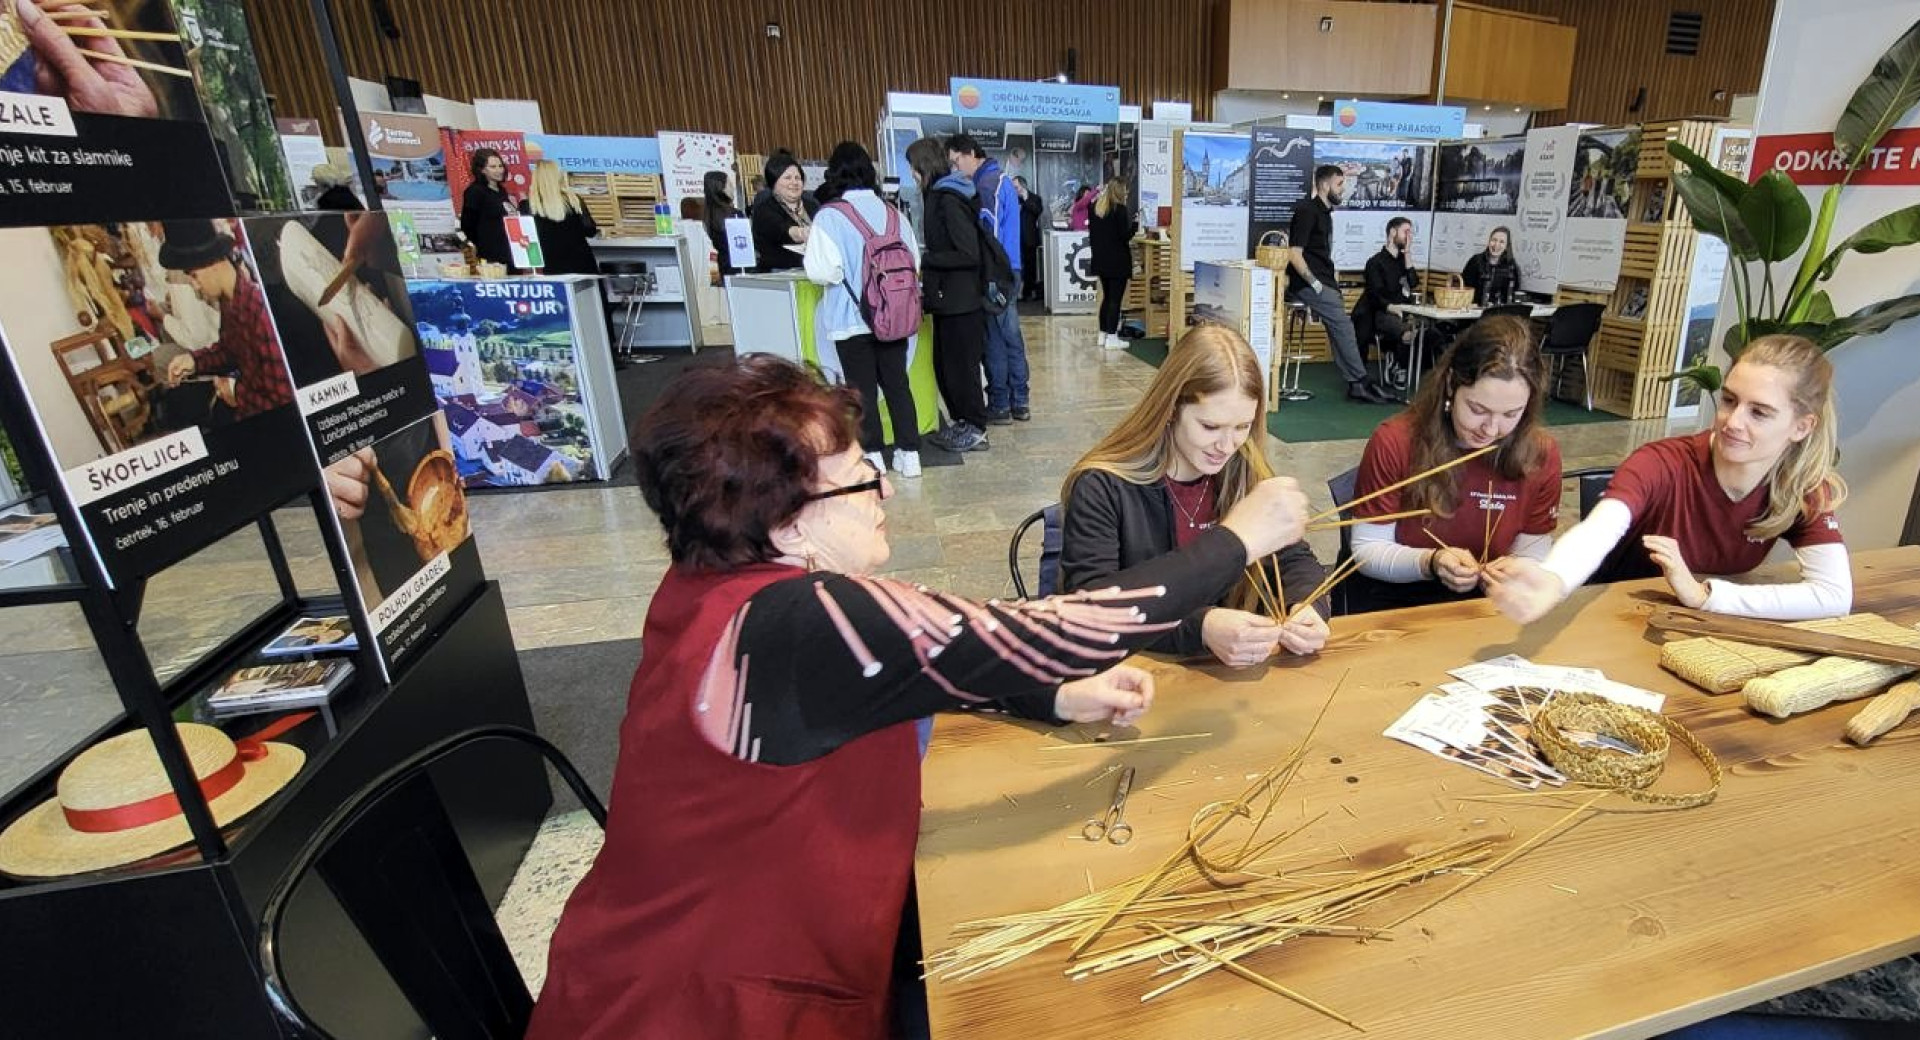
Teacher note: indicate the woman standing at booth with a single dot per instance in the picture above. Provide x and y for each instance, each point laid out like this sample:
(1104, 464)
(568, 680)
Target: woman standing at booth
(562, 221)
(1109, 239)
(785, 217)
(1492, 273)
(1716, 502)
(1186, 454)
(486, 206)
(1485, 391)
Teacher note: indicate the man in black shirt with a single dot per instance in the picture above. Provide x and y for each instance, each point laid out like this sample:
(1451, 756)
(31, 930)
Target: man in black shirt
(1312, 283)
(1390, 281)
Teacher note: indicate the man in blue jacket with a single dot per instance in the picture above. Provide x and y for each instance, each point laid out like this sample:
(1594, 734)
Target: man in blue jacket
(1006, 351)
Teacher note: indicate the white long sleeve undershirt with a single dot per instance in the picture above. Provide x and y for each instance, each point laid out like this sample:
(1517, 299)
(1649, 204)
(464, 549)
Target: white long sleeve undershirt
(1825, 588)
(1384, 559)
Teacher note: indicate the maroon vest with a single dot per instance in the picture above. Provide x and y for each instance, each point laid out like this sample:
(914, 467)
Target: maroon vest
(732, 899)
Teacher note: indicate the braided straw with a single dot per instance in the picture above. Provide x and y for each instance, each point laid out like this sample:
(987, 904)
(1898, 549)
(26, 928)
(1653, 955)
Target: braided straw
(1626, 774)
(1724, 665)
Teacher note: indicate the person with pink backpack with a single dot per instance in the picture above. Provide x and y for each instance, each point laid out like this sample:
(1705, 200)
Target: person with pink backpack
(863, 251)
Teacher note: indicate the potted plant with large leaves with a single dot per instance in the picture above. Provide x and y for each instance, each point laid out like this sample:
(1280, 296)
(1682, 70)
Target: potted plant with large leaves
(1769, 221)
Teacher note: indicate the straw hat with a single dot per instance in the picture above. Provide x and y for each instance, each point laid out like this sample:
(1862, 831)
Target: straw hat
(114, 805)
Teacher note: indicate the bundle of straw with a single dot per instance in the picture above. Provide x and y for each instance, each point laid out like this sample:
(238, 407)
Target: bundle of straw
(1724, 665)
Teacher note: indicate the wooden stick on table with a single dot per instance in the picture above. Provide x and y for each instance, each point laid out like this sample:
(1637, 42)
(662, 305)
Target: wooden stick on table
(1252, 976)
(1768, 633)
(1398, 484)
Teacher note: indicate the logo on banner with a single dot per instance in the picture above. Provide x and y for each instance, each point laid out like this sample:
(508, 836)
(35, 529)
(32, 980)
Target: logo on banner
(969, 97)
(1349, 115)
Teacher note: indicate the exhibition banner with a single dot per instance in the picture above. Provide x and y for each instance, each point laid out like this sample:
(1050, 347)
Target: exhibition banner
(1058, 137)
(165, 402)
(1810, 160)
(1155, 180)
(1385, 179)
(302, 149)
(410, 174)
(459, 146)
(500, 355)
(1546, 175)
(1072, 286)
(1238, 294)
(1728, 151)
(1390, 119)
(1600, 190)
(685, 159)
(989, 134)
(1282, 179)
(350, 344)
(1477, 192)
(576, 154)
(1216, 172)
(1017, 99)
(118, 138)
(220, 53)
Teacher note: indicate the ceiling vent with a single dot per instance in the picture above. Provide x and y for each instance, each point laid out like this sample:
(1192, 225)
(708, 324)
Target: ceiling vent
(1683, 33)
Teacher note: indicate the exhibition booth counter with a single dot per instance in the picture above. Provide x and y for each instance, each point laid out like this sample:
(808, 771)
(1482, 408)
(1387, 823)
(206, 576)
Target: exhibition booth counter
(1068, 279)
(658, 312)
(775, 313)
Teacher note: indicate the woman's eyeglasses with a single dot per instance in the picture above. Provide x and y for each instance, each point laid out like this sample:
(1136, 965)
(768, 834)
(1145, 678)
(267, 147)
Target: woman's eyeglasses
(877, 484)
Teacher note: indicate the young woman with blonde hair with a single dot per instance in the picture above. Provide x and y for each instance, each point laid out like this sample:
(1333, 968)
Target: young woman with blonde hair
(562, 220)
(1193, 447)
(1487, 389)
(1716, 502)
(1109, 241)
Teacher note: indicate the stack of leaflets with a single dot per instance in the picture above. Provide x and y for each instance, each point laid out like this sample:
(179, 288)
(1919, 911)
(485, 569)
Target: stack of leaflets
(24, 536)
(278, 687)
(1484, 721)
(313, 635)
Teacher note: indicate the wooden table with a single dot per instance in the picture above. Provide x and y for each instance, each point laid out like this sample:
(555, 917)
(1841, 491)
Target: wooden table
(1428, 315)
(1806, 868)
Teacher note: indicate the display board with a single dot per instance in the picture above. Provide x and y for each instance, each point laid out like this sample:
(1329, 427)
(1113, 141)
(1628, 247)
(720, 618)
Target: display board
(1240, 295)
(302, 149)
(166, 404)
(685, 160)
(1598, 194)
(577, 154)
(410, 174)
(1541, 228)
(500, 355)
(1215, 178)
(1282, 179)
(1154, 182)
(1385, 179)
(1478, 190)
(130, 142)
(220, 53)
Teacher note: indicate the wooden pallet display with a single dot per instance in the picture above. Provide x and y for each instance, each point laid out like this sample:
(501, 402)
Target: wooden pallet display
(746, 168)
(1133, 303)
(620, 203)
(1156, 259)
(1640, 335)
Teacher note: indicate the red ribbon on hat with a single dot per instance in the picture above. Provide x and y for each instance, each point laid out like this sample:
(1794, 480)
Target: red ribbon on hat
(166, 806)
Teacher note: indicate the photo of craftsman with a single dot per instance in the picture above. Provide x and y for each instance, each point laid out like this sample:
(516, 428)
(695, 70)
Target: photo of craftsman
(108, 57)
(336, 290)
(127, 332)
(400, 504)
(246, 350)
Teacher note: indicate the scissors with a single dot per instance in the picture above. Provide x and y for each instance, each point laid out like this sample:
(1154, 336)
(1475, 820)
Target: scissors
(1110, 826)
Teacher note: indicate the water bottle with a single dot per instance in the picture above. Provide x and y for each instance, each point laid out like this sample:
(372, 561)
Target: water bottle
(662, 219)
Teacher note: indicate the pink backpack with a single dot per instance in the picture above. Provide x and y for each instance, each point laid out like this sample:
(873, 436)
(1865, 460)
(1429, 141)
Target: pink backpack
(890, 291)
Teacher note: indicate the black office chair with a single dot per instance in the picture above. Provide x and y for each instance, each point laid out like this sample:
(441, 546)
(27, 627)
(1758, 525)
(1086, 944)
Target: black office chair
(1569, 334)
(1048, 581)
(1593, 484)
(1340, 486)
(392, 859)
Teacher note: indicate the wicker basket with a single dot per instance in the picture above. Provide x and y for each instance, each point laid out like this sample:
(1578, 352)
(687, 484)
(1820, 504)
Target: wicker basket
(1455, 297)
(1272, 256)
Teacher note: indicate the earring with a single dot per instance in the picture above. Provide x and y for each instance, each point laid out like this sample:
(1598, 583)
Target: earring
(812, 564)
(1447, 405)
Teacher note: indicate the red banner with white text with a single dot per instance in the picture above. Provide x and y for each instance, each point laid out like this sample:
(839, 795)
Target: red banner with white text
(1810, 161)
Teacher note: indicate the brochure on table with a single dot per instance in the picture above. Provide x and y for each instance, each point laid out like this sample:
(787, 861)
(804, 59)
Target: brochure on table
(1215, 180)
(1385, 180)
(504, 360)
(220, 54)
(171, 418)
(136, 149)
(1479, 189)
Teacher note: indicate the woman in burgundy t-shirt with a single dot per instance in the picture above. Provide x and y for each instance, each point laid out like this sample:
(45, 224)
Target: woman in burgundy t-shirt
(1716, 502)
(1485, 390)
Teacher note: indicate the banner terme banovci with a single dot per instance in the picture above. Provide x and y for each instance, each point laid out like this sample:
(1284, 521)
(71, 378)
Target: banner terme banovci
(579, 154)
(1390, 119)
(1051, 102)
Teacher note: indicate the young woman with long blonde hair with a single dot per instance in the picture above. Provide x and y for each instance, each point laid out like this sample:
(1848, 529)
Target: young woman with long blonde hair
(1716, 502)
(1191, 448)
(1110, 243)
(562, 220)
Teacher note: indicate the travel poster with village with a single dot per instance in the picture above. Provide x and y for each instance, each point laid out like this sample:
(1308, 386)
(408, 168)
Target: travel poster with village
(501, 357)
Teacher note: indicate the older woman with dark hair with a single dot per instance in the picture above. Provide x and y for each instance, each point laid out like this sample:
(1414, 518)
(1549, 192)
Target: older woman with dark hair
(767, 795)
(784, 218)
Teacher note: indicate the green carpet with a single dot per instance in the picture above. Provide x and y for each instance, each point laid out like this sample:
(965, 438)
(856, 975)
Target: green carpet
(1331, 417)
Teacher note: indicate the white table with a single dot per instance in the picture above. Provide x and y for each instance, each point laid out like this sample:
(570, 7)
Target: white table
(1427, 315)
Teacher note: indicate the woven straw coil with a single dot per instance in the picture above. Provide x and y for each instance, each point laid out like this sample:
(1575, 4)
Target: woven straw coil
(1626, 774)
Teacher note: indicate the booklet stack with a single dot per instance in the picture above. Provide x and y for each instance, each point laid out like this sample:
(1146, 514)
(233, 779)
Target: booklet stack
(1484, 721)
(313, 635)
(278, 687)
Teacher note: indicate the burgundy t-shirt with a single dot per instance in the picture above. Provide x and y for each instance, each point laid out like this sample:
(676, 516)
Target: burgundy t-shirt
(1671, 489)
(1530, 505)
(1192, 509)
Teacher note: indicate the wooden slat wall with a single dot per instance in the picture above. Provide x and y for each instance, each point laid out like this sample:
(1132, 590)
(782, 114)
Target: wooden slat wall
(1622, 47)
(1509, 58)
(637, 66)
(1372, 48)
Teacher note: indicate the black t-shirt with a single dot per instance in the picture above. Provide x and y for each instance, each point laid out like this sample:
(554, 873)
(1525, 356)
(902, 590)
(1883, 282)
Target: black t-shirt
(1312, 231)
